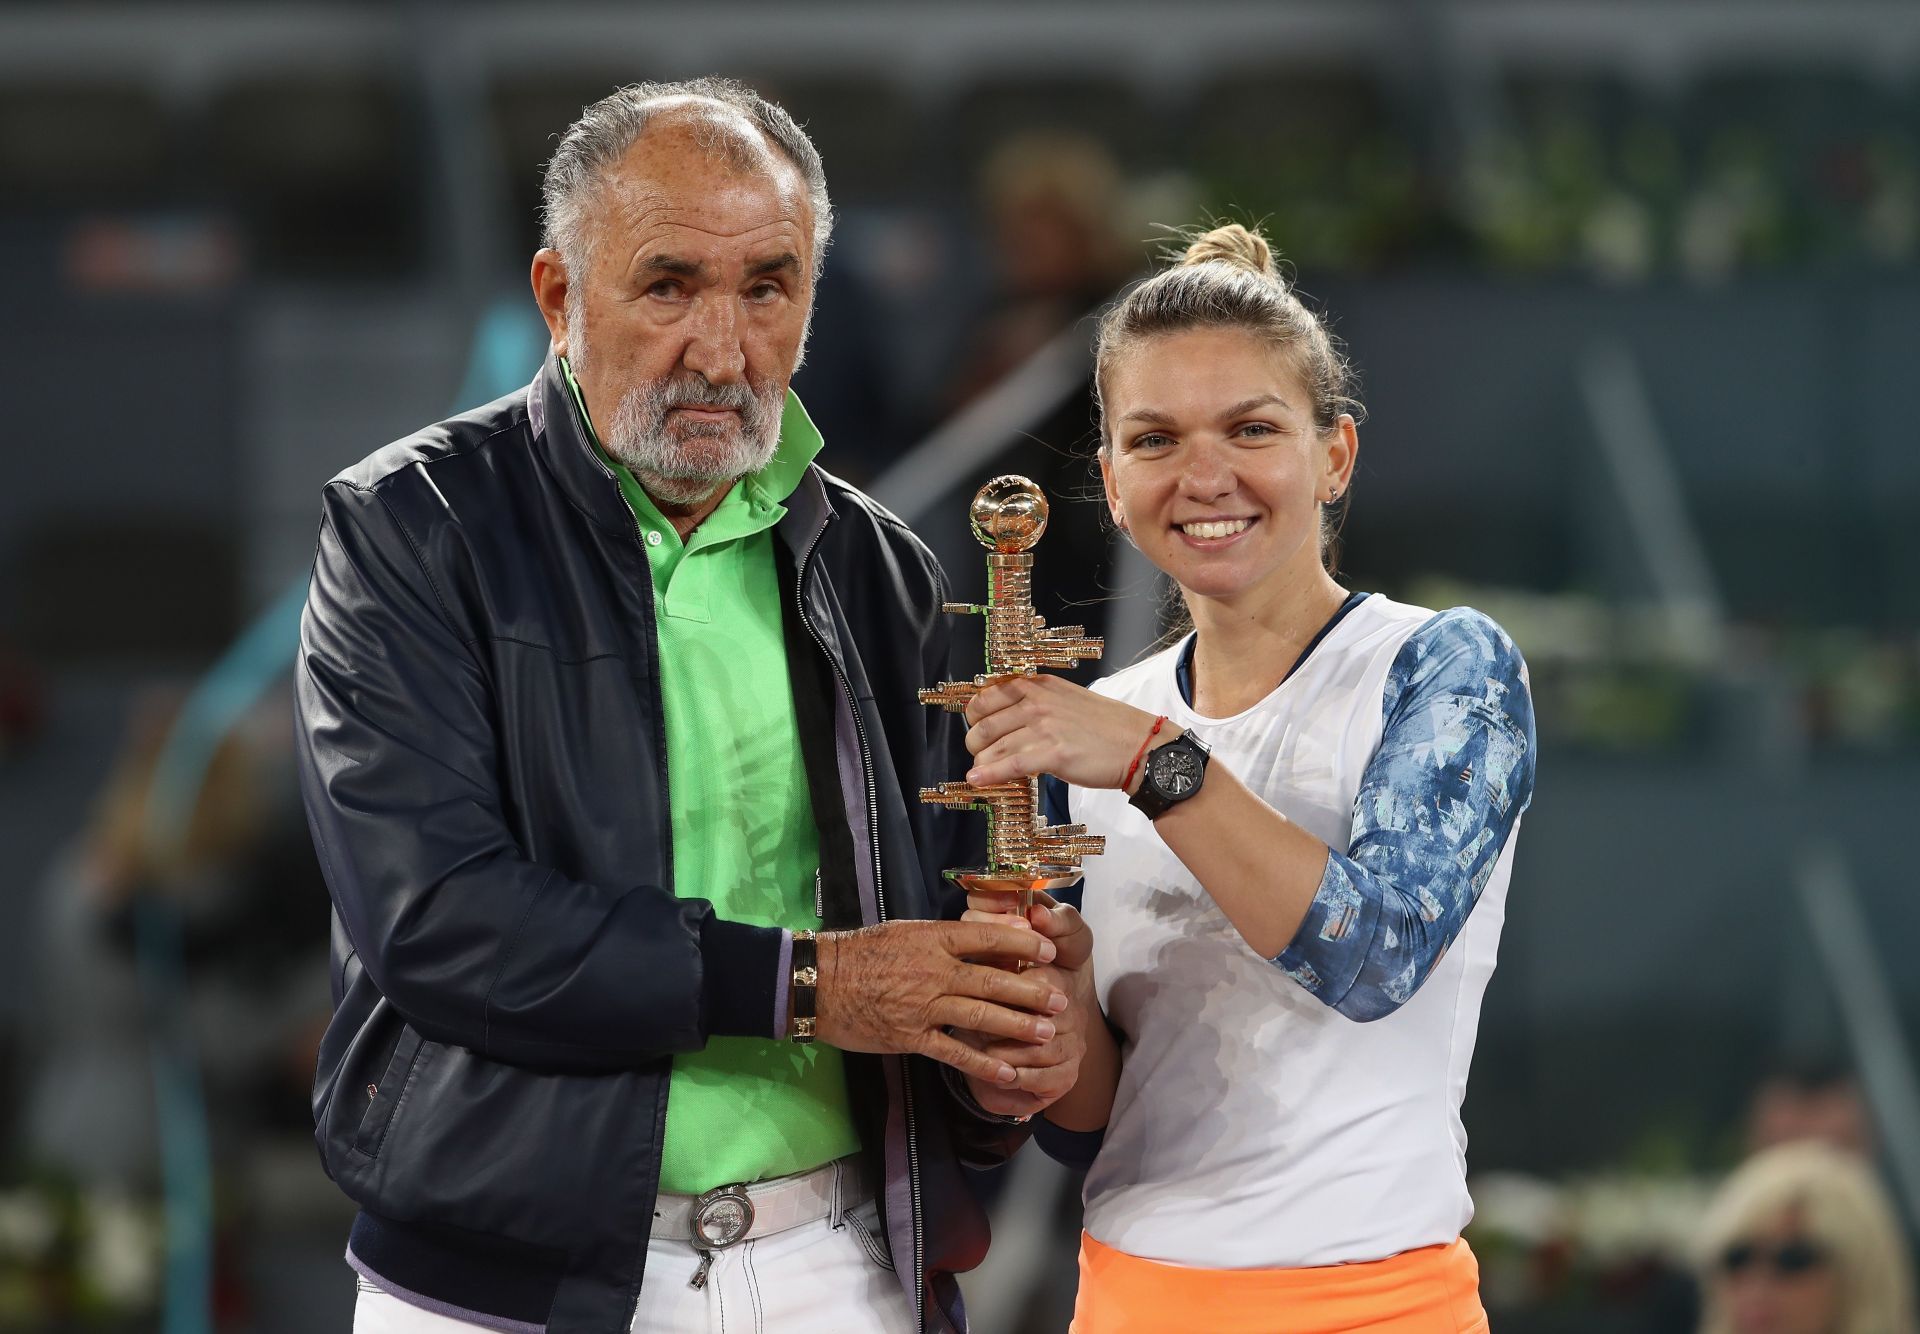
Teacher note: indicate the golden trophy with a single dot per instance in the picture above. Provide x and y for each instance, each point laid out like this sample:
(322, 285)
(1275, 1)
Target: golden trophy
(1024, 854)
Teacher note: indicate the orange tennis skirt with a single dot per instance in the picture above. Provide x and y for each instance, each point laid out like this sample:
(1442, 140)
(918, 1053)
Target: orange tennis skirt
(1434, 1290)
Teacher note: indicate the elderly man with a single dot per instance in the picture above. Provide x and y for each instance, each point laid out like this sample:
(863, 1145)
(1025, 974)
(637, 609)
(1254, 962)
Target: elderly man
(606, 700)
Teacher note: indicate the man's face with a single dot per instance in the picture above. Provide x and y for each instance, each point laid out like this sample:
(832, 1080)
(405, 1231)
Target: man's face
(690, 315)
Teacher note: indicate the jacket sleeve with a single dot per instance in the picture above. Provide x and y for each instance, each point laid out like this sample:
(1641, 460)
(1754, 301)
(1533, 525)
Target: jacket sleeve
(472, 942)
(1438, 803)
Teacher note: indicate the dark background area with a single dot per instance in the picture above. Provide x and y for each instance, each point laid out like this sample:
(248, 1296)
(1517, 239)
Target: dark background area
(1633, 291)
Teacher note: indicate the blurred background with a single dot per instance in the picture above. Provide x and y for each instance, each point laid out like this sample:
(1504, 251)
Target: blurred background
(1632, 288)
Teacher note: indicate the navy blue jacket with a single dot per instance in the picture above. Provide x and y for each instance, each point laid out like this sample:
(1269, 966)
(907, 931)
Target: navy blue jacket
(482, 753)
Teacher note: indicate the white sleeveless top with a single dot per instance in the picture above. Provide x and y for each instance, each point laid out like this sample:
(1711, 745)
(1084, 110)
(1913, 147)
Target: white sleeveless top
(1254, 1125)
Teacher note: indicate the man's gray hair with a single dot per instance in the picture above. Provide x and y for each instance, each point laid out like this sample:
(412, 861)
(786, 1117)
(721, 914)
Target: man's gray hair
(606, 130)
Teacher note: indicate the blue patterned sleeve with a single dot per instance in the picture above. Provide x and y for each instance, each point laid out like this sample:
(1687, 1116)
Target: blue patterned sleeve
(1436, 806)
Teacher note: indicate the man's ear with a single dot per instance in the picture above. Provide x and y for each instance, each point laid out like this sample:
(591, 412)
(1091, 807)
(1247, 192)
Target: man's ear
(550, 281)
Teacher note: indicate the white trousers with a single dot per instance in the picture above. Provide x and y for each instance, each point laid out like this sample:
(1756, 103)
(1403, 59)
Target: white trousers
(824, 1277)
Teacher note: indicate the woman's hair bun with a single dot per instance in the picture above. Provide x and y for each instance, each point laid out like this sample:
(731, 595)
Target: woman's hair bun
(1235, 245)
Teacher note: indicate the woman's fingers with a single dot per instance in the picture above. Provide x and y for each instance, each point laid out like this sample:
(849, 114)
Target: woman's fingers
(1008, 690)
(1046, 1083)
(1008, 759)
(1067, 929)
(1041, 1073)
(1004, 1100)
(993, 727)
(997, 901)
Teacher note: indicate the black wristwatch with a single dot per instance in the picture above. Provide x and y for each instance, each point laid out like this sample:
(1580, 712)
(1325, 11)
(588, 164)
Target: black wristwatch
(1173, 773)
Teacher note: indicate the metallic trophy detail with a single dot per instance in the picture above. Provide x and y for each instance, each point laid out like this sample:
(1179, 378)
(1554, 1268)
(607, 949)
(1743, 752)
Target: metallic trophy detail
(1023, 854)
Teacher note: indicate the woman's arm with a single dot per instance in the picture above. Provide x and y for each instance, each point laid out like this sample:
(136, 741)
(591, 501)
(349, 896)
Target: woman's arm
(1437, 803)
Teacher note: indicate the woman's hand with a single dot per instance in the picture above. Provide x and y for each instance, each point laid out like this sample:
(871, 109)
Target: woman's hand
(1050, 1071)
(1026, 725)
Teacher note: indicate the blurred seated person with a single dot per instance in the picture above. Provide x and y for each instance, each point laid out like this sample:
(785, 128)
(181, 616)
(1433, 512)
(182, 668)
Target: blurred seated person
(241, 883)
(22, 706)
(1811, 1098)
(1803, 1240)
(1053, 201)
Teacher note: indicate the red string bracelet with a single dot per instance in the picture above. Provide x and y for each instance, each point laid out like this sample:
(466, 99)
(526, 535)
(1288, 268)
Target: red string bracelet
(1140, 754)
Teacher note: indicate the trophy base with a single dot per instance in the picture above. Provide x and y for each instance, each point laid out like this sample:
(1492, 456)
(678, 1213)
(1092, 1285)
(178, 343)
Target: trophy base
(1024, 881)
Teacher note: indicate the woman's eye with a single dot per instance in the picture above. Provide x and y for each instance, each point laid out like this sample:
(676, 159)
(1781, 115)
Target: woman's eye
(1257, 430)
(1152, 441)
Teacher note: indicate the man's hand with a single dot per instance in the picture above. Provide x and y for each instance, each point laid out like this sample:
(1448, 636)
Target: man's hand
(1046, 1071)
(897, 987)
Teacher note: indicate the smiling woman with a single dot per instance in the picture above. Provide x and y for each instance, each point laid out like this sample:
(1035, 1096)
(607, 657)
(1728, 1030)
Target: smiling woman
(1310, 803)
(1215, 468)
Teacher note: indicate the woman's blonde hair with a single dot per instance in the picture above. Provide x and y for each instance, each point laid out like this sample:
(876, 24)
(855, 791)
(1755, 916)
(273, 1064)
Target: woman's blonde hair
(1842, 1209)
(1226, 278)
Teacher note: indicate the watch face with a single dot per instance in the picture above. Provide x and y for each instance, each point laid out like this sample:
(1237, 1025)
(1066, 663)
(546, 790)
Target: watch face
(1176, 770)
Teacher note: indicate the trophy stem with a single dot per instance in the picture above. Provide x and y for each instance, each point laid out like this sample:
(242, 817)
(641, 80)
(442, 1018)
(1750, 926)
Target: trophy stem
(1025, 855)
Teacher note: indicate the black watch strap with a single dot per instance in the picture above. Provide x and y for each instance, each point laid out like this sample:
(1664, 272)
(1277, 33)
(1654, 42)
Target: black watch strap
(1171, 774)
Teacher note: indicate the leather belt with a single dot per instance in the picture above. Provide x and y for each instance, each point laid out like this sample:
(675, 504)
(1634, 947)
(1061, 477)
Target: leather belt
(728, 1215)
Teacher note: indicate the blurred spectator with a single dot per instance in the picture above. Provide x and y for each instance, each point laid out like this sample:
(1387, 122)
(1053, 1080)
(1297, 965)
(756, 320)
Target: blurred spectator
(844, 381)
(191, 958)
(22, 706)
(1811, 1100)
(1058, 214)
(242, 880)
(1802, 1240)
(1054, 202)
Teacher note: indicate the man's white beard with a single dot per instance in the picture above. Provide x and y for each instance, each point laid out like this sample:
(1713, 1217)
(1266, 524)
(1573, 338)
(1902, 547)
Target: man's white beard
(681, 462)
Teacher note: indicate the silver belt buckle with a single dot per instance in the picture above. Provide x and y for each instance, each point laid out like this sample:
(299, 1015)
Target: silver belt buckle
(721, 1217)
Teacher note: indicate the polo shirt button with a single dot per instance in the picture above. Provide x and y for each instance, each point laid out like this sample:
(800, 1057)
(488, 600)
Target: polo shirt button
(653, 538)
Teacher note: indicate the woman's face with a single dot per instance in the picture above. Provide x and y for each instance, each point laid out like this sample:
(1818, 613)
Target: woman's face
(1213, 463)
(1775, 1280)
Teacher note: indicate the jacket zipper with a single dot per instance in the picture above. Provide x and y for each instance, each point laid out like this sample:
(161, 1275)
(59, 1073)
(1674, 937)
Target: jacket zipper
(640, 545)
(880, 906)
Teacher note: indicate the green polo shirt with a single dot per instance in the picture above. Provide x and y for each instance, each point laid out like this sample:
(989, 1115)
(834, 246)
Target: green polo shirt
(742, 1109)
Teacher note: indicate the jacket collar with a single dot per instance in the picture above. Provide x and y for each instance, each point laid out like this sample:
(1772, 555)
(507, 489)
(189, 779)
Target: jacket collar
(808, 510)
(558, 438)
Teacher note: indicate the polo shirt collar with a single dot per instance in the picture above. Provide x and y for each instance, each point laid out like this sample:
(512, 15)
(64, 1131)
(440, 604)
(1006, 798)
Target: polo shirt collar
(800, 441)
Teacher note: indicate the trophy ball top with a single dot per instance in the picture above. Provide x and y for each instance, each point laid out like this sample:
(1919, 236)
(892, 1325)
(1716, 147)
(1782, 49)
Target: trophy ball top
(1009, 514)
